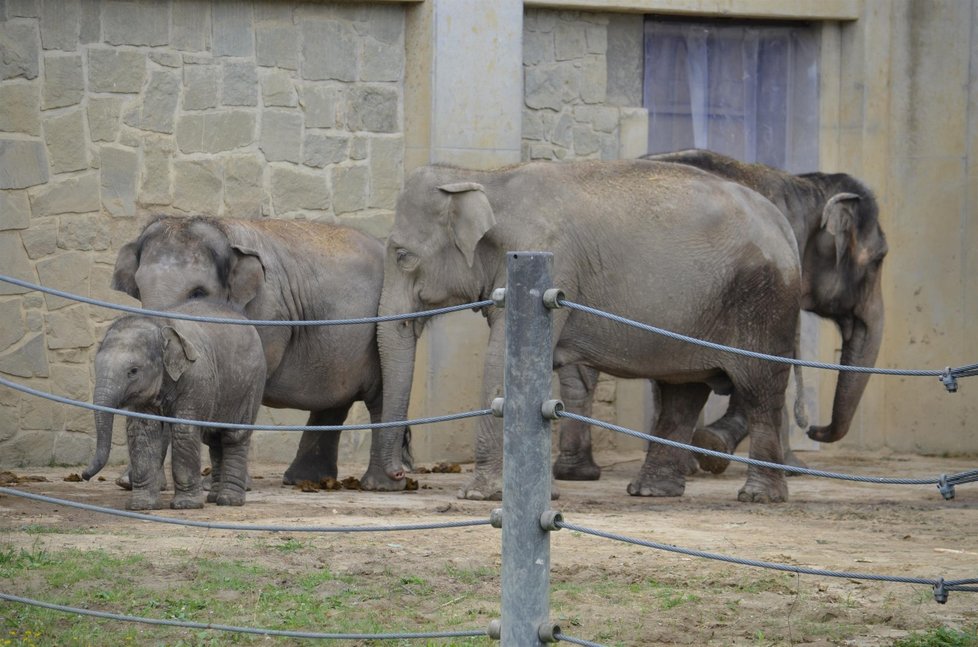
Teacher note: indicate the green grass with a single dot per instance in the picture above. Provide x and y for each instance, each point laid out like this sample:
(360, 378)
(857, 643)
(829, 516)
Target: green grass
(941, 637)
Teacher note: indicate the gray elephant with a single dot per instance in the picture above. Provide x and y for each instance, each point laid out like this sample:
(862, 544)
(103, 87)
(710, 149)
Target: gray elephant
(278, 270)
(666, 244)
(180, 369)
(835, 219)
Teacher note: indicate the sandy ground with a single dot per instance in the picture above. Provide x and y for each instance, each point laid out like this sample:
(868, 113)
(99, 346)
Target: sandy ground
(827, 524)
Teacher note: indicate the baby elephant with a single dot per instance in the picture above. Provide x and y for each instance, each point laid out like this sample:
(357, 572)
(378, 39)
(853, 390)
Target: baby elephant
(180, 369)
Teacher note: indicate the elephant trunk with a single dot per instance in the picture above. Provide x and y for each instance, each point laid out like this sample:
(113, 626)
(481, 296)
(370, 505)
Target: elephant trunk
(106, 395)
(859, 348)
(397, 342)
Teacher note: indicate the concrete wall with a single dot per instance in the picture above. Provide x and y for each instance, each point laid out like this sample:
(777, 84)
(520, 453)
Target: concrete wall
(110, 111)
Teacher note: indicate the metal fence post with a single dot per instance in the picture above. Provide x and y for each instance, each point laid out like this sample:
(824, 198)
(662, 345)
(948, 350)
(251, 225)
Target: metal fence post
(526, 451)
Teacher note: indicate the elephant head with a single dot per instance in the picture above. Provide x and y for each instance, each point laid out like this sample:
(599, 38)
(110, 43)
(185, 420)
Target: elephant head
(135, 359)
(431, 262)
(841, 280)
(176, 259)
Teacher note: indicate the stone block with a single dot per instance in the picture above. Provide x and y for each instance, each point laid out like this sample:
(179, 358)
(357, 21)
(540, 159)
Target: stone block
(37, 413)
(41, 239)
(540, 20)
(281, 136)
(603, 119)
(596, 37)
(74, 194)
(191, 25)
(68, 272)
(359, 148)
(215, 132)
(232, 29)
(21, 49)
(533, 125)
(319, 149)
(625, 59)
(562, 134)
(384, 23)
(202, 85)
(21, 111)
(119, 178)
(154, 186)
(381, 61)
(15, 262)
(320, 104)
(240, 86)
(141, 24)
(166, 59)
(103, 118)
(15, 210)
(90, 22)
(26, 359)
(120, 71)
(594, 79)
(60, 25)
(538, 47)
(23, 8)
(349, 188)
(296, 190)
(22, 164)
(197, 186)
(243, 186)
(570, 40)
(157, 111)
(386, 171)
(28, 448)
(74, 447)
(277, 46)
(64, 81)
(329, 51)
(12, 326)
(84, 232)
(552, 85)
(278, 90)
(586, 141)
(64, 136)
(373, 108)
(69, 328)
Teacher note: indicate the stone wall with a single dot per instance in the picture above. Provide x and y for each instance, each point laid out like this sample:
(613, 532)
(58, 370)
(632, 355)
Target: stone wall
(111, 111)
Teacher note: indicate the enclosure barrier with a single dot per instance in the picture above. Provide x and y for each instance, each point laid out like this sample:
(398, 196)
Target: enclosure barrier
(527, 413)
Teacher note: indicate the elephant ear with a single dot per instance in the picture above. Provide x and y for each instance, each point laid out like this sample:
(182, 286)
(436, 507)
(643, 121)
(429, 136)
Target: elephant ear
(472, 216)
(247, 275)
(124, 274)
(178, 353)
(839, 219)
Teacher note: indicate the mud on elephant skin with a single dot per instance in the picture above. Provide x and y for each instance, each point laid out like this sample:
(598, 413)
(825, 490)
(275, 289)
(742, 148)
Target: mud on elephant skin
(281, 270)
(180, 369)
(660, 243)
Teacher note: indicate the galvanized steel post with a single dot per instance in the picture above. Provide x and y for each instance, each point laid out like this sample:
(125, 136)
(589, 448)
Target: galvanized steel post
(526, 451)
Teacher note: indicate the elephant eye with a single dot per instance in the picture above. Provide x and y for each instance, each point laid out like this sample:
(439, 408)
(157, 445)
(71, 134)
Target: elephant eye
(198, 293)
(405, 259)
(133, 371)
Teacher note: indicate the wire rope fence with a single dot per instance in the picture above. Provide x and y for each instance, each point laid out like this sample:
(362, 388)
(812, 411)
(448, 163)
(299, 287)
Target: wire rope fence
(526, 518)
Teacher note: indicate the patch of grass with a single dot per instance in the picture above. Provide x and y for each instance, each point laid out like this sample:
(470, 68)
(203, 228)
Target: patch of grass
(940, 637)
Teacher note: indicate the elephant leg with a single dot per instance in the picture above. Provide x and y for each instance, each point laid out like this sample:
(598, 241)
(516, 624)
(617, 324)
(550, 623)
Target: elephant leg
(124, 480)
(234, 473)
(187, 490)
(145, 463)
(316, 457)
(764, 418)
(212, 438)
(375, 478)
(790, 458)
(722, 435)
(663, 473)
(575, 462)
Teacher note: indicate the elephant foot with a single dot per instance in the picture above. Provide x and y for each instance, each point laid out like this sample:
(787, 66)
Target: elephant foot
(230, 498)
(658, 482)
(484, 486)
(125, 483)
(568, 468)
(376, 479)
(690, 465)
(790, 458)
(186, 503)
(298, 473)
(707, 438)
(764, 490)
(144, 504)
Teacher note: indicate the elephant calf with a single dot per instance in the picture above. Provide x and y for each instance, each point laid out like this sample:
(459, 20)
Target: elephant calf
(181, 369)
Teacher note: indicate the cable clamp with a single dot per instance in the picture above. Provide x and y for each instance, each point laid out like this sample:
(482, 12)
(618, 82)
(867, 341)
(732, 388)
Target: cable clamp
(945, 487)
(496, 518)
(495, 630)
(550, 520)
(547, 632)
(552, 298)
(552, 409)
(940, 592)
(949, 380)
(497, 407)
(499, 297)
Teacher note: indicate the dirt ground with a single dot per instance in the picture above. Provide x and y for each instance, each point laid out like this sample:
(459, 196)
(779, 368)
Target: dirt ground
(827, 524)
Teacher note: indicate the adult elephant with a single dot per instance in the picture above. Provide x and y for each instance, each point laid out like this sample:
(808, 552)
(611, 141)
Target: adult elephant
(661, 243)
(280, 270)
(835, 220)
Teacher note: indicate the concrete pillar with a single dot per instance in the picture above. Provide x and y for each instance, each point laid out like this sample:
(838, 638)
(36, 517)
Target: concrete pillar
(463, 99)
